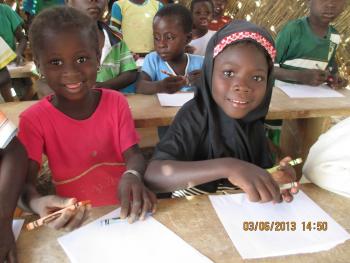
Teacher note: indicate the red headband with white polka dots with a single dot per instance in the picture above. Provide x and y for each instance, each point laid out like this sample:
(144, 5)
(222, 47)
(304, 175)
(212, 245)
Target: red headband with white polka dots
(246, 35)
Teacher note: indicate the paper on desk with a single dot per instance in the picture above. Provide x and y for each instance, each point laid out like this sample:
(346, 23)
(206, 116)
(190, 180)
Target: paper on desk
(174, 100)
(142, 241)
(234, 210)
(13, 66)
(305, 91)
(17, 226)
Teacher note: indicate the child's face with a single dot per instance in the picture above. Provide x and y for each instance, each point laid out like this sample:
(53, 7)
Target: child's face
(326, 10)
(219, 7)
(69, 61)
(202, 14)
(93, 8)
(169, 38)
(239, 79)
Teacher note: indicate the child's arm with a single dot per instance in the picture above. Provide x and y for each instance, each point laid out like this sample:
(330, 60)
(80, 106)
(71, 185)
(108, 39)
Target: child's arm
(171, 84)
(44, 205)
(135, 199)
(122, 81)
(313, 77)
(22, 43)
(12, 176)
(169, 175)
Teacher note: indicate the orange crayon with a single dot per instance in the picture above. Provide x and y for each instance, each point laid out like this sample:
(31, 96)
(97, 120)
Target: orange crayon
(46, 219)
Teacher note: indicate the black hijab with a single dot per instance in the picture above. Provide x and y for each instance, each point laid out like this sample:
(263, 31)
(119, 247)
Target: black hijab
(245, 138)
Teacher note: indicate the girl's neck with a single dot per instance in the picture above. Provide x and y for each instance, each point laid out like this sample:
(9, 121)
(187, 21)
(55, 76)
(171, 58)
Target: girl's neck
(197, 33)
(318, 28)
(79, 109)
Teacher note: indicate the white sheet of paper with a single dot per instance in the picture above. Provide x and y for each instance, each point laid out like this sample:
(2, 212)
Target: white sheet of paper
(305, 91)
(174, 100)
(234, 210)
(142, 241)
(17, 226)
(139, 62)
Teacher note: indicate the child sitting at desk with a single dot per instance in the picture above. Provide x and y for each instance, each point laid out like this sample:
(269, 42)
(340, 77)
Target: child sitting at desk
(117, 66)
(11, 31)
(217, 140)
(6, 56)
(169, 68)
(87, 134)
(13, 167)
(306, 47)
(202, 11)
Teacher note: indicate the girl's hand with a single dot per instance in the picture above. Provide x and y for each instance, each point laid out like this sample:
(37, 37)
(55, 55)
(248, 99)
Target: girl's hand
(135, 199)
(172, 84)
(69, 219)
(256, 182)
(285, 175)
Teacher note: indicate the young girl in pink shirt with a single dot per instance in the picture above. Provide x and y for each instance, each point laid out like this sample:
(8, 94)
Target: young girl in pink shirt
(87, 134)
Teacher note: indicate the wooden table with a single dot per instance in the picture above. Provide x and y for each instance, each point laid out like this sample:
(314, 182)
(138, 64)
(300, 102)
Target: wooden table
(196, 222)
(305, 119)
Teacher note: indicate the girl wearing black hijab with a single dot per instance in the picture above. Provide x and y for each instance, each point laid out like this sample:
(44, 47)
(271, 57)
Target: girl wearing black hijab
(217, 140)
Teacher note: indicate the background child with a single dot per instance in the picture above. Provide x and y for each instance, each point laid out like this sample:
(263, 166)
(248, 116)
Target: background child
(306, 47)
(13, 167)
(34, 7)
(219, 18)
(6, 56)
(217, 139)
(11, 31)
(202, 11)
(134, 18)
(87, 134)
(117, 66)
(172, 32)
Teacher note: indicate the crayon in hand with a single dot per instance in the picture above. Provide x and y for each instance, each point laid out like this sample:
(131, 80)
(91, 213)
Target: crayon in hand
(46, 219)
(168, 73)
(277, 167)
(292, 163)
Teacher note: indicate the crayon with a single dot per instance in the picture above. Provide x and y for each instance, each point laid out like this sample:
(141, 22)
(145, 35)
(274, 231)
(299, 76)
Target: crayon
(292, 163)
(277, 167)
(46, 219)
(168, 73)
(108, 221)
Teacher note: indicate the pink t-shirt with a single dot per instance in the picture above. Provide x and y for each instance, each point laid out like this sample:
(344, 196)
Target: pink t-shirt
(84, 155)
